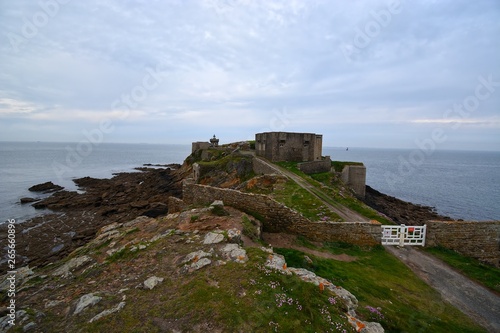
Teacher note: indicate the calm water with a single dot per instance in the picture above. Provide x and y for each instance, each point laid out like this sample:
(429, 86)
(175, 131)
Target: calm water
(25, 164)
(459, 184)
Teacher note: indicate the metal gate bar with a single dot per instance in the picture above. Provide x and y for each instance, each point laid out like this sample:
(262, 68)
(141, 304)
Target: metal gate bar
(403, 235)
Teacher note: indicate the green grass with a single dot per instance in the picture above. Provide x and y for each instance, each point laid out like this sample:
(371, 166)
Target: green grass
(382, 282)
(123, 254)
(250, 229)
(219, 211)
(487, 275)
(295, 197)
(329, 188)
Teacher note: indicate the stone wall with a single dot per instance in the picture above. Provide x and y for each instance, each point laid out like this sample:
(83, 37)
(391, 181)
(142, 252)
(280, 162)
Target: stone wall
(199, 145)
(480, 240)
(261, 168)
(354, 176)
(277, 217)
(324, 165)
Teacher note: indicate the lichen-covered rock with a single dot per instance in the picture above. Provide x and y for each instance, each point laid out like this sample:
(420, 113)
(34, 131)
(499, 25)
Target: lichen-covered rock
(278, 262)
(86, 301)
(21, 276)
(235, 253)
(234, 236)
(108, 228)
(372, 327)
(65, 270)
(349, 299)
(195, 256)
(106, 313)
(213, 238)
(200, 264)
(152, 282)
(136, 221)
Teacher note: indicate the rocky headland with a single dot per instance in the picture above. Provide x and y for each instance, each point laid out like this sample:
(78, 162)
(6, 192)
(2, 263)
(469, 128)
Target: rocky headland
(75, 217)
(102, 251)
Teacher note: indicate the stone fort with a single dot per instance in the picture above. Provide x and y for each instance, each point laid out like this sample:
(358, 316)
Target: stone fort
(306, 148)
(290, 147)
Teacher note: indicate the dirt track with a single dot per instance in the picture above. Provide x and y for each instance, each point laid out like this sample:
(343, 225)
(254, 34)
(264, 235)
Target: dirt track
(477, 302)
(345, 213)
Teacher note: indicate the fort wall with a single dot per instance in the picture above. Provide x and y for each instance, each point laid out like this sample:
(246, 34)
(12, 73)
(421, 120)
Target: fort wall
(354, 176)
(287, 146)
(324, 165)
(480, 240)
(277, 217)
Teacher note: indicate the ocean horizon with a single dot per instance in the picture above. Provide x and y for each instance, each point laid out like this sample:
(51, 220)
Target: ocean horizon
(459, 184)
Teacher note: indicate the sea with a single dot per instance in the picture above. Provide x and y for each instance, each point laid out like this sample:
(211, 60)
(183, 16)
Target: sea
(460, 184)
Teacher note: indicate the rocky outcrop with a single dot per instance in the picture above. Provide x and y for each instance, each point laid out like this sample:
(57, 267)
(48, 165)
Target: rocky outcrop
(152, 282)
(400, 211)
(144, 257)
(27, 200)
(66, 269)
(78, 216)
(108, 312)
(45, 187)
(86, 301)
(278, 262)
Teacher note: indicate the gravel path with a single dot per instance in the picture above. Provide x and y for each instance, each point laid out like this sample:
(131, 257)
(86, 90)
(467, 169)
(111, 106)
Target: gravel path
(477, 302)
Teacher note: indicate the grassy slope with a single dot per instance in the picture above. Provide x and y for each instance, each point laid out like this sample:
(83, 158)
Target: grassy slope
(380, 281)
(294, 196)
(333, 191)
(229, 298)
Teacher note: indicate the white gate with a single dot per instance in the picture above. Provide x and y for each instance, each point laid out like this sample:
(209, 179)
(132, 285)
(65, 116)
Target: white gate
(403, 235)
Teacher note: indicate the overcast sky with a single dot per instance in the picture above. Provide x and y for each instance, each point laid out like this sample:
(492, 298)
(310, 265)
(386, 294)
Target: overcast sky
(362, 73)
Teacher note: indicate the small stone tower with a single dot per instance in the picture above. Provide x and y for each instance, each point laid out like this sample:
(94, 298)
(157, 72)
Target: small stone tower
(214, 141)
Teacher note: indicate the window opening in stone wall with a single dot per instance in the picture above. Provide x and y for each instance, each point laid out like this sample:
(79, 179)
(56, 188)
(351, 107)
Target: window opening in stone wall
(306, 143)
(282, 143)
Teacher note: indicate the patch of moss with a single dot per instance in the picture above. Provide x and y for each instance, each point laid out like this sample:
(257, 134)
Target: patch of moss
(338, 166)
(219, 211)
(250, 229)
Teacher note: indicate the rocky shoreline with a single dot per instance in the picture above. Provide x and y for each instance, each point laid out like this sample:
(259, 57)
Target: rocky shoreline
(399, 211)
(77, 216)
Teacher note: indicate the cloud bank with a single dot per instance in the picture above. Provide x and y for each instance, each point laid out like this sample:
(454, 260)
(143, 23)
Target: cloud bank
(363, 73)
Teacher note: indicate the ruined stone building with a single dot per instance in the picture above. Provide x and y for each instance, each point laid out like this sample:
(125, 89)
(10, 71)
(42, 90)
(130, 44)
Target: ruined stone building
(200, 145)
(287, 146)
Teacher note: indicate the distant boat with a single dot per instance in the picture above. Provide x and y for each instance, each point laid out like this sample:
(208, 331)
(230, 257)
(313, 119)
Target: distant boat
(347, 149)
